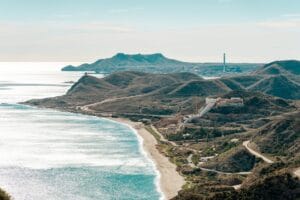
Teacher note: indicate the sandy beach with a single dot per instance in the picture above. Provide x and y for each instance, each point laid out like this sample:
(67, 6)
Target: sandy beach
(170, 180)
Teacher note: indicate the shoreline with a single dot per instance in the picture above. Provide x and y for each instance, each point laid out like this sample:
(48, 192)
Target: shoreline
(170, 181)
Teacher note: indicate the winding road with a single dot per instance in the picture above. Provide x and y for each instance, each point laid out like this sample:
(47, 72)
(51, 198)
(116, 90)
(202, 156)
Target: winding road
(191, 164)
(255, 153)
(296, 172)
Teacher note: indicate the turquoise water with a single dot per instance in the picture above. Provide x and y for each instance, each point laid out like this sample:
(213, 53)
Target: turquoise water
(52, 155)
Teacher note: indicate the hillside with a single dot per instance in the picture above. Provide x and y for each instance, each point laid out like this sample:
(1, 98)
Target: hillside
(284, 67)
(213, 141)
(135, 92)
(158, 63)
(268, 183)
(240, 82)
(256, 105)
(201, 88)
(281, 137)
(279, 78)
(235, 160)
(279, 86)
(123, 61)
(145, 93)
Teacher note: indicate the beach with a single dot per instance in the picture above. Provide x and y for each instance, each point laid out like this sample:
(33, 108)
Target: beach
(170, 180)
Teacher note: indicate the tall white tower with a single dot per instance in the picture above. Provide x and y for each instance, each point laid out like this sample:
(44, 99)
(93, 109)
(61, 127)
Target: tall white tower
(224, 62)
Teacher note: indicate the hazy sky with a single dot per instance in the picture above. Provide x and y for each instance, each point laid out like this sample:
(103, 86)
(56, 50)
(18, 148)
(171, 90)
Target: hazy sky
(192, 30)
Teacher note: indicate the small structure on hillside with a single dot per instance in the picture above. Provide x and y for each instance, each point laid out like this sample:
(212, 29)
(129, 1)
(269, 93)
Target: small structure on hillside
(218, 102)
(233, 101)
(209, 100)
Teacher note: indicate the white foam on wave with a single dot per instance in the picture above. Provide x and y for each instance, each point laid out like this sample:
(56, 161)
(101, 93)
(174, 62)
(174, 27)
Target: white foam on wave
(146, 155)
(42, 139)
(63, 139)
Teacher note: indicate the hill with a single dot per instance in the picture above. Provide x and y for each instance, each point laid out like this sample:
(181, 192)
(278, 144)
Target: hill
(256, 105)
(123, 61)
(279, 78)
(158, 63)
(201, 88)
(280, 137)
(279, 86)
(163, 102)
(284, 67)
(235, 160)
(136, 92)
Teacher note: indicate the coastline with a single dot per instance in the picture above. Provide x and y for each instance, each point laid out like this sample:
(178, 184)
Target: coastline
(170, 181)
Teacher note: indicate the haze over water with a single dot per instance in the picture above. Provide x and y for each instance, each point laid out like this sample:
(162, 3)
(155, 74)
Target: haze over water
(52, 155)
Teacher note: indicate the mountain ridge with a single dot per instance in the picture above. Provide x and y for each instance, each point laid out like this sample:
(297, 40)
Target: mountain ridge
(286, 67)
(158, 63)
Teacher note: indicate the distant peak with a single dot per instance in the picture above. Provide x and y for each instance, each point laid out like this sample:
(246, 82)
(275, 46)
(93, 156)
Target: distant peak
(158, 55)
(283, 62)
(123, 55)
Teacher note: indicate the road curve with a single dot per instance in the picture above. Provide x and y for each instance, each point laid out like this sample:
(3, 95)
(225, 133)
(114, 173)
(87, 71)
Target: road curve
(255, 153)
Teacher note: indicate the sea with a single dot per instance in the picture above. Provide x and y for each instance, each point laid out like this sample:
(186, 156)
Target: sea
(52, 155)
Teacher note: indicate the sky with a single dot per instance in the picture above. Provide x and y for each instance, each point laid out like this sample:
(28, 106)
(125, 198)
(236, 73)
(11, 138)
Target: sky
(189, 30)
